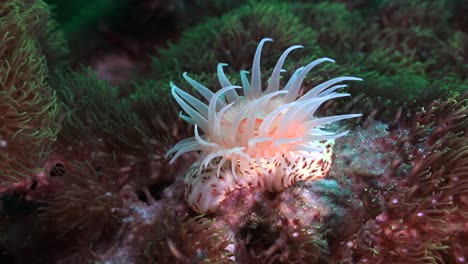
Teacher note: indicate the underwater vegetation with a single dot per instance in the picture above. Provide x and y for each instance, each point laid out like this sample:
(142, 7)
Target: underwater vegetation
(97, 97)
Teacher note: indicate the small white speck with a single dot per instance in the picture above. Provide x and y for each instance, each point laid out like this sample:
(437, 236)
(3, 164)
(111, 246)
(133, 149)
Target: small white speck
(3, 143)
(128, 219)
(231, 248)
(125, 169)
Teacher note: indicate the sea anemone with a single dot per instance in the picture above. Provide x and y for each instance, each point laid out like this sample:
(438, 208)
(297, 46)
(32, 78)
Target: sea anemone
(267, 137)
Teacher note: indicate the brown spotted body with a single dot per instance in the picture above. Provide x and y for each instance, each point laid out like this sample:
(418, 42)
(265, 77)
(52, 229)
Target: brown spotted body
(205, 190)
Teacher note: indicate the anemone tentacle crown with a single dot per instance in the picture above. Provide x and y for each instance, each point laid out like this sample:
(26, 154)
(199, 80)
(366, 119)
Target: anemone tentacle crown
(264, 137)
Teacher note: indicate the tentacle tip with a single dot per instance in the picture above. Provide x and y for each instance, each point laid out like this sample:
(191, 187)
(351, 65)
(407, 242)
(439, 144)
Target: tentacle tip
(173, 158)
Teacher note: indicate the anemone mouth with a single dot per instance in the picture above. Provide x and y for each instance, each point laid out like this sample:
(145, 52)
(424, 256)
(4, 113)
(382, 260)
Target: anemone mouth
(261, 124)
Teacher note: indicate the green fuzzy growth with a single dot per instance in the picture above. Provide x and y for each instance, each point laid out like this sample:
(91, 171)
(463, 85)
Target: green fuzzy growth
(28, 106)
(336, 26)
(137, 130)
(419, 31)
(160, 123)
(403, 62)
(38, 25)
(413, 13)
(153, 96)
(197, 11)
(95, 114)
(397, 47)
(53, 45)
(233, 39)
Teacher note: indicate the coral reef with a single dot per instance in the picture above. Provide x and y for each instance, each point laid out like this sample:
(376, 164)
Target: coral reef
(87, 117)
(423, 207)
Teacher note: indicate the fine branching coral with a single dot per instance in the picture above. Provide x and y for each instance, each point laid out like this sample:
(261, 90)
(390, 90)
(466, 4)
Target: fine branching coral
(28, 107)
(97, 119)
(94, 114)
(91, 190)
(190, 240)
(298, 244)
(232, 39)
(53, 45)
(405, 59)
(267, 137)
(424, 210)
